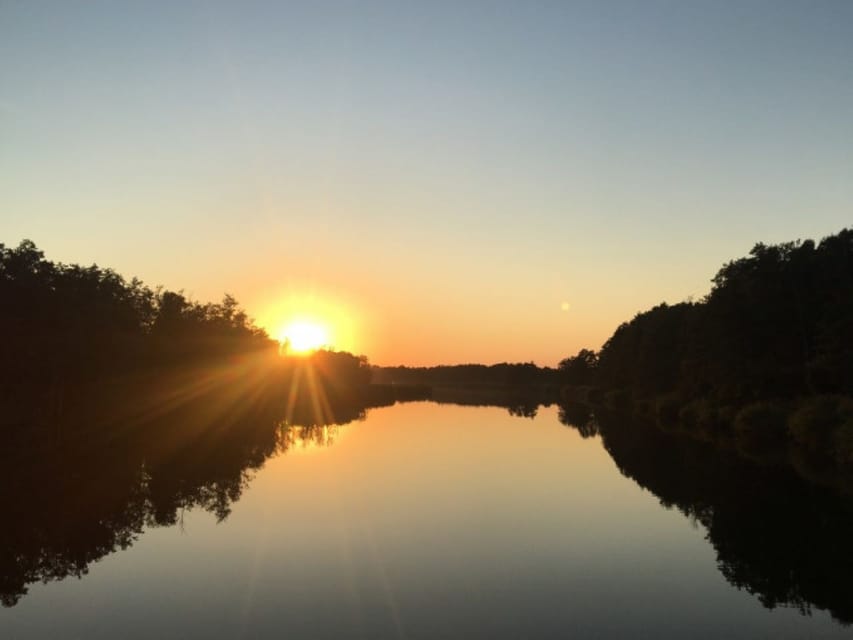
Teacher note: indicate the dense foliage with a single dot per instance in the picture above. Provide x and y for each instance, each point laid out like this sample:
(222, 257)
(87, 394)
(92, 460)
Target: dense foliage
(776, 323)
(69, 331)
(64, 322)
(768, 353)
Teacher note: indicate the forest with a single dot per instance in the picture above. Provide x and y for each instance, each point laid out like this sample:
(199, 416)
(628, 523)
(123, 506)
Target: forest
(764, 361)
(73, 334)
(70, 321)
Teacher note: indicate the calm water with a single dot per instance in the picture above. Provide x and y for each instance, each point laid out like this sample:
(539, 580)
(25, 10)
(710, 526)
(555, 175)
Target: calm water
(423, 521)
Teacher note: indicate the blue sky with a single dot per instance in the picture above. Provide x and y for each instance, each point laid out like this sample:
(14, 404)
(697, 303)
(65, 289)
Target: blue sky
(449, 173)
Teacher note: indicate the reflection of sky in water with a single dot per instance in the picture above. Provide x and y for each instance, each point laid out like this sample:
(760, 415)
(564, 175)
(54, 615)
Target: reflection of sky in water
(424, 521)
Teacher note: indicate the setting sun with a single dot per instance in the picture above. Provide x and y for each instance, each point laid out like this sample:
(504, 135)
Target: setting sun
(309, 318)
(304, 337)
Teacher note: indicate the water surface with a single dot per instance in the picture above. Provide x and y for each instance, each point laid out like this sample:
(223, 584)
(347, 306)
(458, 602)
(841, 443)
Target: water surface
(422, 521)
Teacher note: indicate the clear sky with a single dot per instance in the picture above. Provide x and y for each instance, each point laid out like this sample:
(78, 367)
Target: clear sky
(440, 182)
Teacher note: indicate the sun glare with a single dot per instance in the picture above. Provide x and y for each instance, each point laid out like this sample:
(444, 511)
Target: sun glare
(304, 337)
(303, 322)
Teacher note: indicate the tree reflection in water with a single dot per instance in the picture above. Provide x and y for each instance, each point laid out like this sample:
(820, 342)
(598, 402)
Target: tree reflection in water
(138, 455)
(776, 536)
(120, 467)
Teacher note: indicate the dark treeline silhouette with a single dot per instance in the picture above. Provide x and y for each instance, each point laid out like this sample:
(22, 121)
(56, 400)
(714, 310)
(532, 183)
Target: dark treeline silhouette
(518, 387)
(69, 332)
(470, 375)
(139, 454)
(776, 536)
(765, 359)
(63, 322)
(122, 406)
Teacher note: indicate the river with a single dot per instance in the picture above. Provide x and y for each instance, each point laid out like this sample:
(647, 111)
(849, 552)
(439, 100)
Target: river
(420, 521)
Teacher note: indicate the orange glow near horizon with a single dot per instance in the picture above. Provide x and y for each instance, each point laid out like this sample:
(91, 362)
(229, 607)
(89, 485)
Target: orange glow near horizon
(314, 320)
(305, 337)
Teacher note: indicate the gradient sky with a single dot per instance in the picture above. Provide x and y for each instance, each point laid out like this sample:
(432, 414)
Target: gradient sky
(438, 180)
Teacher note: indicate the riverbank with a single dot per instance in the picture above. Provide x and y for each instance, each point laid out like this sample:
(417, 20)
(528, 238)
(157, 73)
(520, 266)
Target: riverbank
(812, 434)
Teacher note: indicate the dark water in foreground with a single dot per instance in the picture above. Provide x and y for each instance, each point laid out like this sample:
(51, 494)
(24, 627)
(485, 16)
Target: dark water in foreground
(423, 521)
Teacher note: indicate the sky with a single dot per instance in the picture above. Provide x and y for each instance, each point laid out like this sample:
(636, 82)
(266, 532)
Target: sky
(438, 182)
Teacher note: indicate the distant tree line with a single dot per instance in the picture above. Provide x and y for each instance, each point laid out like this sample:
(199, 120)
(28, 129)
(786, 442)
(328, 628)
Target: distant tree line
(766, 357)
(499, 375)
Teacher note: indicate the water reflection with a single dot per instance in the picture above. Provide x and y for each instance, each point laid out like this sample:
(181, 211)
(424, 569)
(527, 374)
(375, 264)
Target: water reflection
(776, 536)
(110, 467)
(521, 402)
(70, 501)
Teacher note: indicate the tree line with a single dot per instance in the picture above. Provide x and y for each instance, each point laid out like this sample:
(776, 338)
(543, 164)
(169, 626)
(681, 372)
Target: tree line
(61, 320)
(69, 331)
(766, 358)
(504, 374)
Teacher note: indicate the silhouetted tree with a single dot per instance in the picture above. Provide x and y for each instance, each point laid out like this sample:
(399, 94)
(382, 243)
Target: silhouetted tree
(579, 369)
